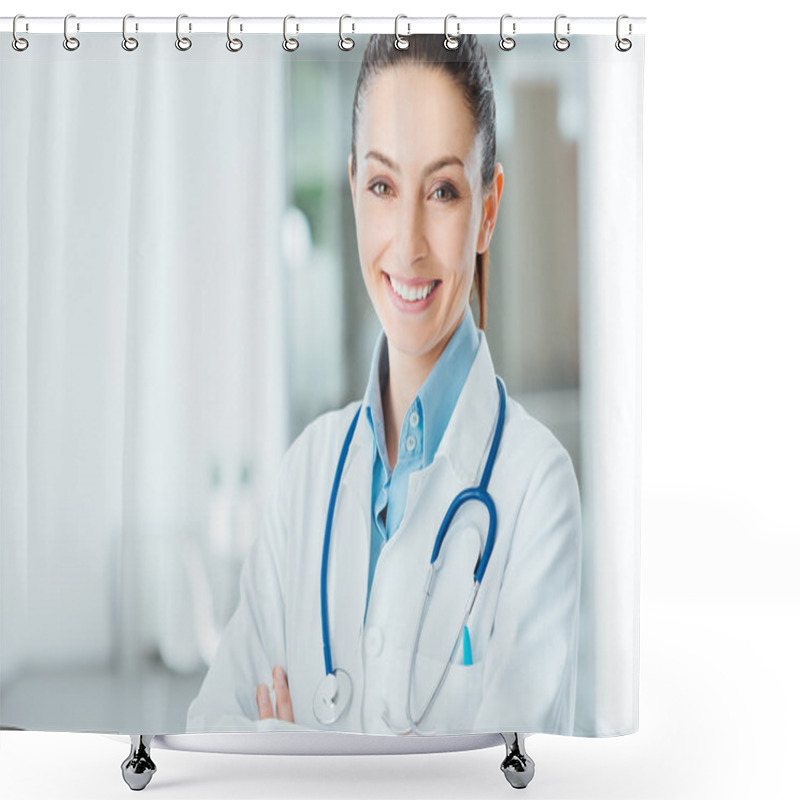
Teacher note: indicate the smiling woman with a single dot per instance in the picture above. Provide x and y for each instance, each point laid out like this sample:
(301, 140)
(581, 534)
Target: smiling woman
(449, 546)
(423, 215)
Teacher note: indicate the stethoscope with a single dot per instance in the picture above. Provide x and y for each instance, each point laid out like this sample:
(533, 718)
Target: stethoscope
(335, 691)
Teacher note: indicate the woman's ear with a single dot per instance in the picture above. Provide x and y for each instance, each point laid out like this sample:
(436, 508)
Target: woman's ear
(491, 206)
(350, 174)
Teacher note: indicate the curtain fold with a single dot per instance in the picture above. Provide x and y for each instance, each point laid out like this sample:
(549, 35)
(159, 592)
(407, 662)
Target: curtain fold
(141, 330)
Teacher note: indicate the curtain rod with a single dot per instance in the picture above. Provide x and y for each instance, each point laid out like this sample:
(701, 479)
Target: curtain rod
(513, 26)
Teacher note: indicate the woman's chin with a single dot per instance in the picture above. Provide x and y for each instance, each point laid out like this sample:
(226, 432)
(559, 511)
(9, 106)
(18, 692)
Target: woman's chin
(409, 342)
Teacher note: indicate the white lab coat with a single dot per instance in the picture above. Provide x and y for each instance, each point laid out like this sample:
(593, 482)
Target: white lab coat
(524, 625)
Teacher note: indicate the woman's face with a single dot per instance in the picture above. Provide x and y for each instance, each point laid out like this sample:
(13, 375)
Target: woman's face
(421, 214)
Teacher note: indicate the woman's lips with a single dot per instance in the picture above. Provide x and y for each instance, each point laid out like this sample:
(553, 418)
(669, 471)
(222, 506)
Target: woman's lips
(411, 306)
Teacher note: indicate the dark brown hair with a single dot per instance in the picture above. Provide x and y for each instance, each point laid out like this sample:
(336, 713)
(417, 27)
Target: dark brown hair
(469, 69)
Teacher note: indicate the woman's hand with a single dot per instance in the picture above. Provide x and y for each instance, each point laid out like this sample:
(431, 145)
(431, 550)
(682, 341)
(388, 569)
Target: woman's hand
(282, 699)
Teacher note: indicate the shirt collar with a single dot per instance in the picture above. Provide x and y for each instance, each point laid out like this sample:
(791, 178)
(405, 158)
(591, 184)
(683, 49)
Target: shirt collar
(475, 412)
(438, 394)
(373, 403)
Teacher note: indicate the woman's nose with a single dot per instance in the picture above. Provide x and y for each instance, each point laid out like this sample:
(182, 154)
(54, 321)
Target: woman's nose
(412, 240)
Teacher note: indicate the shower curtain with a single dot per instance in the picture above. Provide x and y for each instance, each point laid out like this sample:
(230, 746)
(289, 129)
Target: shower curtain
(253, 300)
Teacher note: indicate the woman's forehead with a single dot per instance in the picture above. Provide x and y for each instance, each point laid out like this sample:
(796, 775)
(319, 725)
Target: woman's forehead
(413, 114)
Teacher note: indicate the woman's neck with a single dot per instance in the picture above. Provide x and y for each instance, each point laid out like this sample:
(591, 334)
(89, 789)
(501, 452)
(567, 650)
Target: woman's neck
(407, 373)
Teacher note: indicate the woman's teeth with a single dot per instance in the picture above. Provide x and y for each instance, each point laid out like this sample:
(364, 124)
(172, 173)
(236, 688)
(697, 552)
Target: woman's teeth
(411, 293)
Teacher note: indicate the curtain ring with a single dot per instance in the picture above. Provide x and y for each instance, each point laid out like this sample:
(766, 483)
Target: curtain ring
(451, 42)
(400, 42)
(506, 42)
(623, 45)
(289, 45)
(18, 43)
(70, 42)
(345, 43)
(234, 45)
(128, 42)
(561, 43)
(182, 42)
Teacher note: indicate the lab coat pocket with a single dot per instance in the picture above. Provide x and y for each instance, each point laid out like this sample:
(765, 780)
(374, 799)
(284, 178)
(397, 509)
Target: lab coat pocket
(458, 699)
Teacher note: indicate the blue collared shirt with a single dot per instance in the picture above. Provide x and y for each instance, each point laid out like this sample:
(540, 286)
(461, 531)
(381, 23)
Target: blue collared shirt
(422, 430)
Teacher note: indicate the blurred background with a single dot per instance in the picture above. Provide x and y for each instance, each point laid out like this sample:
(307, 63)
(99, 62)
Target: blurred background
(182, 296)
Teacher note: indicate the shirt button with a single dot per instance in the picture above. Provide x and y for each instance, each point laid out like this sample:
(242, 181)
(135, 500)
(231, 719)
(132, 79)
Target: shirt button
(413, 419)
(411, 443)
(373, 641)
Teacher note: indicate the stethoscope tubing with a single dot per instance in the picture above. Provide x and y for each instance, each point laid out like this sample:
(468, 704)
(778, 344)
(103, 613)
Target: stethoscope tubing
(416, 723)
(475, 493)
(326, 639)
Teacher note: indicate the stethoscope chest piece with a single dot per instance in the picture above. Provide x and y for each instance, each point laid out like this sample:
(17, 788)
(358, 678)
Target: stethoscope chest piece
(332, 697)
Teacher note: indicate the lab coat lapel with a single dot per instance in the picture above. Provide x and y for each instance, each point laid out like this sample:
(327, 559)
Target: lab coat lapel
(465, 443)
(457, 465)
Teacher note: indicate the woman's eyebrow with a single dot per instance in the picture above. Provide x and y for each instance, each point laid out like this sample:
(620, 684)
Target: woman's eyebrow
(442, 162)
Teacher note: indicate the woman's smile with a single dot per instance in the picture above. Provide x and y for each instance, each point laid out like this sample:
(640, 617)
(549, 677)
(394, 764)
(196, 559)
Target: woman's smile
(411, 295)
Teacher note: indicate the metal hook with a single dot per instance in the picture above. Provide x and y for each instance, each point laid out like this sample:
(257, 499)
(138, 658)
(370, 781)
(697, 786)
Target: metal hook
(400, 42)
(345, 43)
(234, 45)
(561, 43)
(70, 42)
(181, 42)
(290, 45)
(623, 45)
(451, 42)
(506, 42)
(18, 43)
(128, 42)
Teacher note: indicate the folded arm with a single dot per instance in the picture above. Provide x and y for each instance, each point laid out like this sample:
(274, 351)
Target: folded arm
(252, 644)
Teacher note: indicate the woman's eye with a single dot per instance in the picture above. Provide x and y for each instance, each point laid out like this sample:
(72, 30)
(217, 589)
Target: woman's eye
(450, 192)
(379, 188)
(444, 192)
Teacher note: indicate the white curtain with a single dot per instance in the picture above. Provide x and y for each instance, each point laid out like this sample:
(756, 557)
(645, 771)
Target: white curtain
(169, 322)
(143, 394)
(610, 254)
